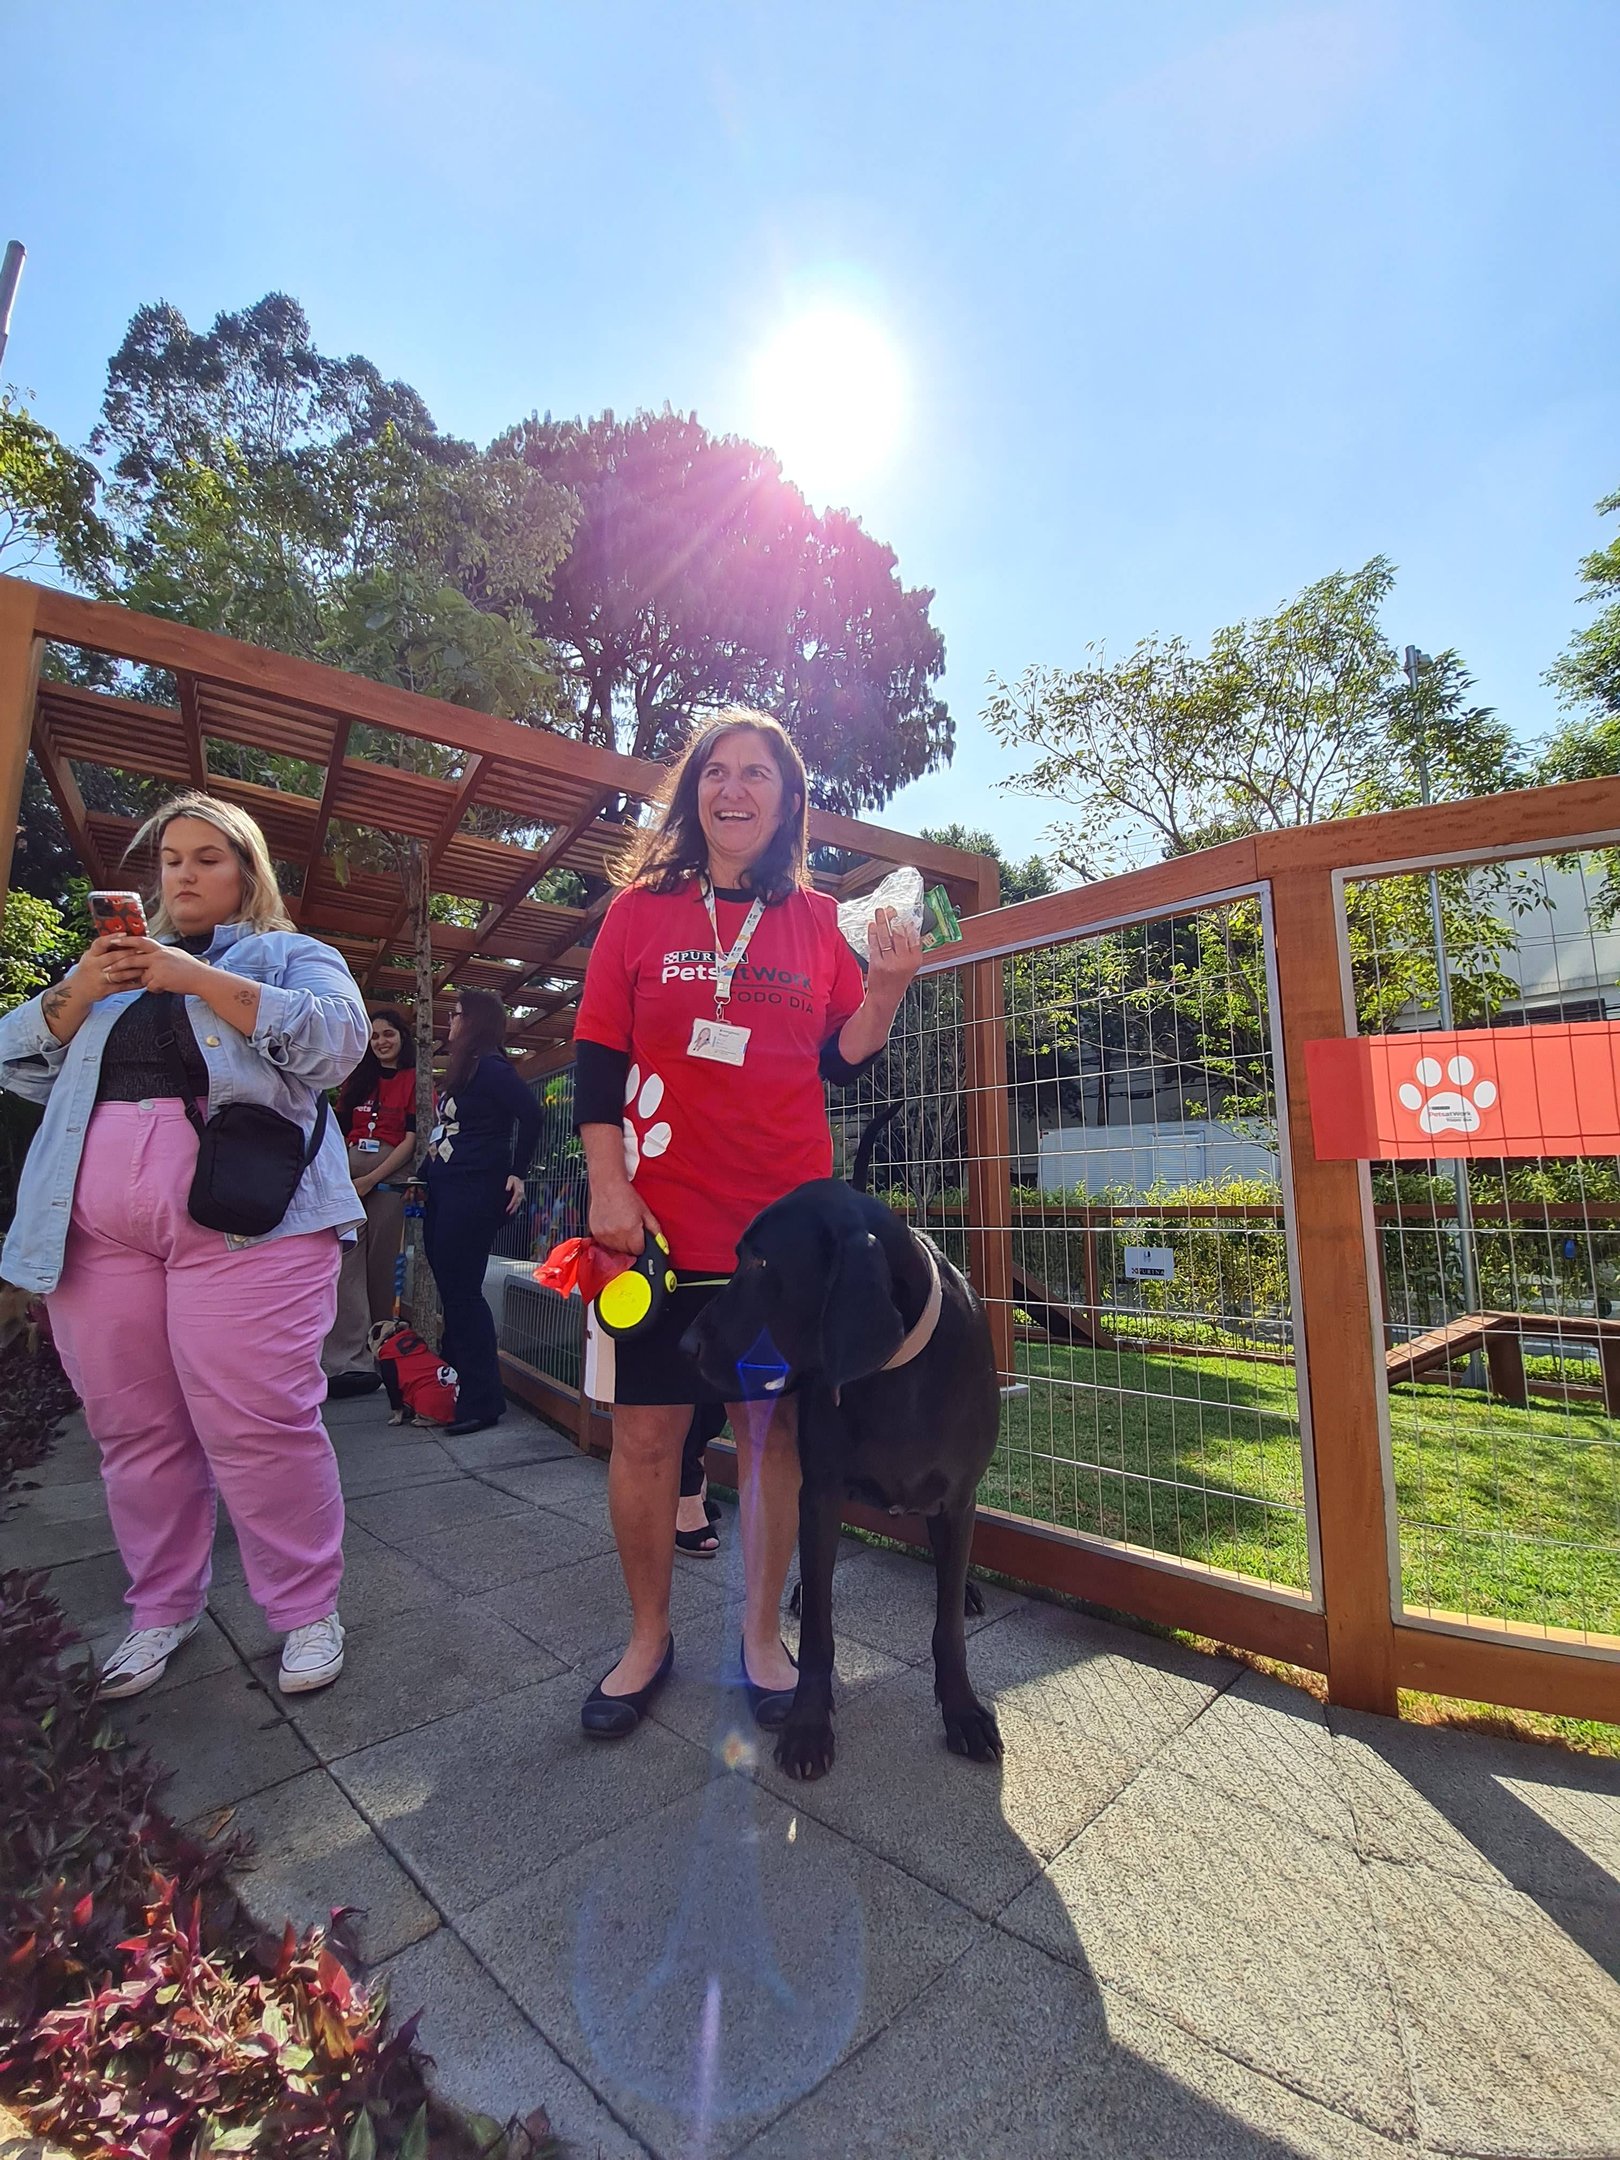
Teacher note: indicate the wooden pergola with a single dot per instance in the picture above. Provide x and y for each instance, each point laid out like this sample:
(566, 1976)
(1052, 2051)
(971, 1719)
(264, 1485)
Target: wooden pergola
(571, 801)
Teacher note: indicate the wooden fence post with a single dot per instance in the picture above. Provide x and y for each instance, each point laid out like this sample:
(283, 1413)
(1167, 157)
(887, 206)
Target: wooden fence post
(1335, 1287)
(989, 1136)
(19, 679)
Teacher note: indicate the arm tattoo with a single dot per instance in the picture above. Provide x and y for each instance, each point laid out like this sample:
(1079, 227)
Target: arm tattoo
(53, 1003)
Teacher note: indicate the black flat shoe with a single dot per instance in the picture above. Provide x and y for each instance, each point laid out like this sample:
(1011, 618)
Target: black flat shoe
(611, 1717)
(465, 1425)
(769, 1705)
(343, 1384)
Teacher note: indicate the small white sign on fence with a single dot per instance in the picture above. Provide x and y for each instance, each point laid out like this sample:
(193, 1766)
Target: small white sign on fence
(1150, 1263)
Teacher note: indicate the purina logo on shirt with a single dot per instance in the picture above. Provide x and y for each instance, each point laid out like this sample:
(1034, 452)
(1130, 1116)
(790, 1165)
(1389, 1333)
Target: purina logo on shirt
(1496, 1092)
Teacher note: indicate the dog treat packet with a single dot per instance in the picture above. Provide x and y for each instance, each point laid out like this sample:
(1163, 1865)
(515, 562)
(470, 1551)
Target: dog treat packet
(901, 890)
(939, 922)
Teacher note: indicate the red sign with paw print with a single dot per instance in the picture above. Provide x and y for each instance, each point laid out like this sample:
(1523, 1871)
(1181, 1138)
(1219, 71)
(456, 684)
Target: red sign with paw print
(1475, 1091)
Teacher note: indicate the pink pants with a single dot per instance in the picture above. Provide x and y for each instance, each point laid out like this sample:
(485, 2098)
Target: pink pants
(199, 1366)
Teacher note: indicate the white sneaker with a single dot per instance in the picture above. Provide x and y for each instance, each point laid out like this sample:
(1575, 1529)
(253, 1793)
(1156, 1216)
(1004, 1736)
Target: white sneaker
(312, 1656)
(141, 1660)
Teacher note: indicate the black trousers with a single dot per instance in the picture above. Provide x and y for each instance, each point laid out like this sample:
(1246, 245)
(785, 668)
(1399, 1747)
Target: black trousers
(465, 1210)
(707, 1421)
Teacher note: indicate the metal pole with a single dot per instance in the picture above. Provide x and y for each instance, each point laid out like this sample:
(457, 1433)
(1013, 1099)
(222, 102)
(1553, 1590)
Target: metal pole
(1414, 662)
(10, 272)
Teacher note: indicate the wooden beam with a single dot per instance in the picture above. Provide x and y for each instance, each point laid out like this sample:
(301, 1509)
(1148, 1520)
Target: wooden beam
(323, 815)
(1525, 821)
(1343, 1329)
(19, 680)
(102, 626)
(1481, 1666)
(75, 819)
(191, 722)
(989, 1137)
(533, 871)
(466, 790)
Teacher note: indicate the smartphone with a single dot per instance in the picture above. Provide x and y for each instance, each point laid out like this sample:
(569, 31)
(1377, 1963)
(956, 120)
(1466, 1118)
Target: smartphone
(115, 912)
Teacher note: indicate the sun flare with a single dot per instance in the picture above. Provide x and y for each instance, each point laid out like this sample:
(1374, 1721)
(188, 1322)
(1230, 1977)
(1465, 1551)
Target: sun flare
(828, 393)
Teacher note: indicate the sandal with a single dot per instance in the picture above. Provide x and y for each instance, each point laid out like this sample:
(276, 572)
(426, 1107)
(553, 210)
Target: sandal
(702, 1542)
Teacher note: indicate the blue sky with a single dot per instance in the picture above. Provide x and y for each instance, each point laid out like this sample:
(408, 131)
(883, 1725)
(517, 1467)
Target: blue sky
(1194, 302)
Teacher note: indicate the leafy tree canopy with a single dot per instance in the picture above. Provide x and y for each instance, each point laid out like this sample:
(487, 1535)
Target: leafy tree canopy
(1026, 880)
(698, 576)
(1587, 674)
(48, 503)
(1286, 720)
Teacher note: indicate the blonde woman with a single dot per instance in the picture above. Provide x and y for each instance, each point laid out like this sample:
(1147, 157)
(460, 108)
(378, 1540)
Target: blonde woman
(197, 1354)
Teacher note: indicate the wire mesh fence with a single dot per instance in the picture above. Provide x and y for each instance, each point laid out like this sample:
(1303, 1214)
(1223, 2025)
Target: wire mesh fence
(1151, 1395)
(1499, 1278)
(534, 1324)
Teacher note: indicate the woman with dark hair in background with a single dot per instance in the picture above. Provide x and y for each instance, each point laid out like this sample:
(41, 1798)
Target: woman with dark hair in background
(488, 1129)
(376, 1111)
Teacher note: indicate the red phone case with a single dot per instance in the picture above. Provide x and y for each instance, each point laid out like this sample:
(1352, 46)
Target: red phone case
(115, 912)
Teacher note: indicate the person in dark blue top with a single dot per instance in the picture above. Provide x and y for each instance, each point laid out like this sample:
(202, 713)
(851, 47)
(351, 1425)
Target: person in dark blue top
(483, 1144)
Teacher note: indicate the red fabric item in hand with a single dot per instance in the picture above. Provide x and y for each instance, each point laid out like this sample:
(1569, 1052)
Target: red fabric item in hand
(580, 1264)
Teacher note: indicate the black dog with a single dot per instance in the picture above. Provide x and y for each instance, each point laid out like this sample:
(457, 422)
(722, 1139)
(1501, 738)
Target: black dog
(830, 1286)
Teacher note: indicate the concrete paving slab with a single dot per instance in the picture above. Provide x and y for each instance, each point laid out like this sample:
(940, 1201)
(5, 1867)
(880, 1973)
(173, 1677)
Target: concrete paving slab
(581, 1612)
(515, 1441)
(73, 1458)
(1485, 1809)
(1267, 1745)
(378, 1582)
(510, 1548)
(1012, 2055)
(487, 2056)
(27, 1542)
(569, 1485)
(222, 1736)
(79, 1500)
(756, 1951)
(1512, 2029)
(382, 1466)
(1255, 1935)
(400, 1518)
(1081, 1707)
(91, 1592)
(727, 1562)
(312, 1852)
(887, 1599)
(410, 1669)
(488, 1797)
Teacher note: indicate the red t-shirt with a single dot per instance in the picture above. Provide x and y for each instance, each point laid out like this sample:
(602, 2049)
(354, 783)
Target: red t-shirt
(709, 1145)
(387, 1114)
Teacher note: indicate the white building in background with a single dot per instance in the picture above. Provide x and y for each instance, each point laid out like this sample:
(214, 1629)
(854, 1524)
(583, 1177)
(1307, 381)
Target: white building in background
(1132, 1131)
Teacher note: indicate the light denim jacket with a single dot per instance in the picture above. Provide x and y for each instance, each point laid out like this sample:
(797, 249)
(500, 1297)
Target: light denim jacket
(310, 1034)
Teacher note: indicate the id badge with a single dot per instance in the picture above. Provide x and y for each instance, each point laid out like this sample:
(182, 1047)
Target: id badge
(719, 1042)
(368, 1147)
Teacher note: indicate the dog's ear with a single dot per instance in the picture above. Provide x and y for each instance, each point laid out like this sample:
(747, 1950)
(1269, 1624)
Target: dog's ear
(861, 1326)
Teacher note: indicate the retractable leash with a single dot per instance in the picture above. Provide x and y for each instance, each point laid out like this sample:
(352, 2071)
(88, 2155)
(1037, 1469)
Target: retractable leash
(634, 1299)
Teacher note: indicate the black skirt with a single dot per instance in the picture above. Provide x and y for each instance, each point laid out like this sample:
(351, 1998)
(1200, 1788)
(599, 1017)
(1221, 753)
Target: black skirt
(651, 1367)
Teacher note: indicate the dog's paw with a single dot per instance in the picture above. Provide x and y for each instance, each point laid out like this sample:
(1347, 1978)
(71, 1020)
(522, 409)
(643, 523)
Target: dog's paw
(806, 1751)
(972, 1731)
(398, 1418)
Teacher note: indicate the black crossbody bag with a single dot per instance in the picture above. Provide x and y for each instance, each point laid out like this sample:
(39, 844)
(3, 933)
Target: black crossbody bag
(250, 1159)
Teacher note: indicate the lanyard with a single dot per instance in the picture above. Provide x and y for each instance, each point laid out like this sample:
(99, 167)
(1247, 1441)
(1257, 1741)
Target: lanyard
(727, 964)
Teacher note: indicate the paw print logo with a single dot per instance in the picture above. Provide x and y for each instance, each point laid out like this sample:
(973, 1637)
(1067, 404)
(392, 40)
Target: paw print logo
(1447, 1109)
(641, 1100)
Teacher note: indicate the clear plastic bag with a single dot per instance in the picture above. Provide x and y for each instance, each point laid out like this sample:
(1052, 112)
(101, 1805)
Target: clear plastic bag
(901, 890)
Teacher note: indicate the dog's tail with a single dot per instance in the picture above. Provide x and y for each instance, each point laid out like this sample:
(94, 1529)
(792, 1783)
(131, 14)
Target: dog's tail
(868, 1141)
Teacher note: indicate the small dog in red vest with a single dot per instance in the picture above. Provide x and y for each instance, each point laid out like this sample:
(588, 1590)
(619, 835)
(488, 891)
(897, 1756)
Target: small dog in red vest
(417, 1384)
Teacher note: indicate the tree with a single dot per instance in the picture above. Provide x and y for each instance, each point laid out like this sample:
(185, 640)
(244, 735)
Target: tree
(1587, 674)
(49, 497)
(698, 576)
(1286, 720)
(1027, 880)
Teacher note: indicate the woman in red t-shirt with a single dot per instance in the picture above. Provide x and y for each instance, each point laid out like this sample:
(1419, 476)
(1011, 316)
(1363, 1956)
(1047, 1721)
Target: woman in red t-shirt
(376, 1109)
(720, 994)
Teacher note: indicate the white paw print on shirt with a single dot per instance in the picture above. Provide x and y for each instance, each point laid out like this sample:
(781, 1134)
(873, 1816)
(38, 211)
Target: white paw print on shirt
(642, 1098)
(1447, 1109)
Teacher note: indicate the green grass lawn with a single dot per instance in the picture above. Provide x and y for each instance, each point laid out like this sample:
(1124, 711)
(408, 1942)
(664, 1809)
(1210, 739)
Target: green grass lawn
(1507, 1514)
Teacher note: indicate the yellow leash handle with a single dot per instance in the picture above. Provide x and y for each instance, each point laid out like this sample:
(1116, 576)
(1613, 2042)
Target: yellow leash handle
(632, 1300)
